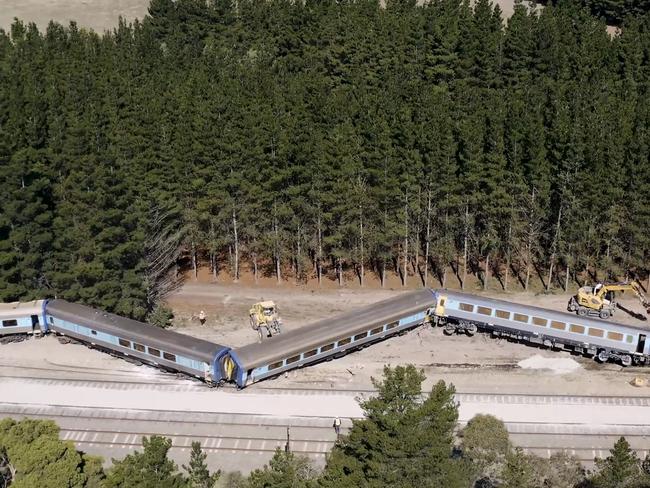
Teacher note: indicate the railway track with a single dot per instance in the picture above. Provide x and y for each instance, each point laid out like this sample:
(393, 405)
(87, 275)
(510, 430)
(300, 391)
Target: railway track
(103, 431)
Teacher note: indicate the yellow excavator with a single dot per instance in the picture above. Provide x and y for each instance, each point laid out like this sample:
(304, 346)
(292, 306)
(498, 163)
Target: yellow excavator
(600, 300)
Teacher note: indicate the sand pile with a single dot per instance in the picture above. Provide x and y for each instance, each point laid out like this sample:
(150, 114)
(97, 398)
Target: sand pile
(557, 365)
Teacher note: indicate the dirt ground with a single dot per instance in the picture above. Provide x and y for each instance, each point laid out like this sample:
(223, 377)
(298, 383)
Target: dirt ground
(477, 364)
(99, 15)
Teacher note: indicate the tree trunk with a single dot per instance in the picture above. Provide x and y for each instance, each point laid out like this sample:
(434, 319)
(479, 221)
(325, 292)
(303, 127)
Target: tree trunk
(234, 227)
(276, 248)
(556, 238)
(486, 275)
(426, 244)
(255, 266)
(566, 278)
(383, 272)
(465, 243)
(527, 271)
(298, 251)
(339, 269)
(195, 267)
(319, 256)
(406, 242)
(505, 280)
(362, 271)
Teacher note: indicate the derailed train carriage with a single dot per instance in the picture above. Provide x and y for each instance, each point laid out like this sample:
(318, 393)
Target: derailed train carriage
(327, 339)
(463, 312)
(129, 338)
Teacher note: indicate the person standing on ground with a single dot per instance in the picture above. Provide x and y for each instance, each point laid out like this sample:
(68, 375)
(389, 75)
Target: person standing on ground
(337, 426)
(202, 317)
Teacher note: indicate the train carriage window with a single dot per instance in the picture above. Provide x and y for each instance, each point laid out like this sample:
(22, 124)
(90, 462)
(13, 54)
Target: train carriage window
(138, 347)
(540, 321)
(153, 352)
(466, 307)
(484, 310)
(293, 359)
(124, 343)
(615, 336)
(377, 330)
(578, 329)
(9, 323)
(442, 302)
(392, 325)
(596, 332)
(629, 339)
(503, 314)
(169, 357)
(521, 318)
(276, 365)
(311, 353)
(558, 325)
(358, 337)
(327, 347)
(343, 342)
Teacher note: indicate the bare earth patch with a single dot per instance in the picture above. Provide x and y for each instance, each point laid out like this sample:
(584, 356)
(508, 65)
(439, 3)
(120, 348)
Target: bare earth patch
(98, 15)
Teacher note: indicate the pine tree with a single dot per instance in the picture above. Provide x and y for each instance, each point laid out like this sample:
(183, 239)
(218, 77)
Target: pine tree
(197, 469)
(621, 468)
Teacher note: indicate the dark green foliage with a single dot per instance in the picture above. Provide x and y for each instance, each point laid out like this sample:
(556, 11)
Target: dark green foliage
(621, 469)
(333, 139)
(403, 441)
(285, 470)
(198, 474)
(160, 316)
(150, 468)
(33, 455)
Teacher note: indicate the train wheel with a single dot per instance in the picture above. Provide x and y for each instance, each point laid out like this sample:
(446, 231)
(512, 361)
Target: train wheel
(471, 329)
(626, 360)
(603, 356)
(449, 329)
(582, 311)
(604, 314)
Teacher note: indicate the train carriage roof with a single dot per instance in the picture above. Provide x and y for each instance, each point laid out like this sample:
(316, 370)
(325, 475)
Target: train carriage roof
(146, 334)
(328, 330)
(21, 309)
(559, 316)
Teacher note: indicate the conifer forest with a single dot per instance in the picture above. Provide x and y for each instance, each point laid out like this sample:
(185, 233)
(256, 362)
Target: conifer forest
(323, 140)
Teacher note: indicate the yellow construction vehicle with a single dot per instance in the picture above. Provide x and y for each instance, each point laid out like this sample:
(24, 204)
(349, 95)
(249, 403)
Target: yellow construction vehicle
(265, 319)
(600, 300)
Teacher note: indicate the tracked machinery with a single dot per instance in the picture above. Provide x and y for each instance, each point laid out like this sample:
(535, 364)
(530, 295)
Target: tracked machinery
(600, 300)
(265, 319)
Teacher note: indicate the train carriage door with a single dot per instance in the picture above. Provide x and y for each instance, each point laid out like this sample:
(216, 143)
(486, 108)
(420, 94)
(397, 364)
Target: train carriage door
(641, 345)
(35, 325)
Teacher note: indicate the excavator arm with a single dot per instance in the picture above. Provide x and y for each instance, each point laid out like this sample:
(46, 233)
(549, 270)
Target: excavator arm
(625, 286)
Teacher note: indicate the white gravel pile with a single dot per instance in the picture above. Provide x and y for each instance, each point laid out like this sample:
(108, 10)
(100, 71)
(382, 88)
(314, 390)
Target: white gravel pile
(557, 365)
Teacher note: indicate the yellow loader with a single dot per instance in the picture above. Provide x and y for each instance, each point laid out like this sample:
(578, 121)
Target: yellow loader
(265, 319)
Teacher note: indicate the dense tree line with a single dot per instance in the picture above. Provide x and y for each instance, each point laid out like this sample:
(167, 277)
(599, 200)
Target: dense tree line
(615, 11)
(407, 439)
(326, 140)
